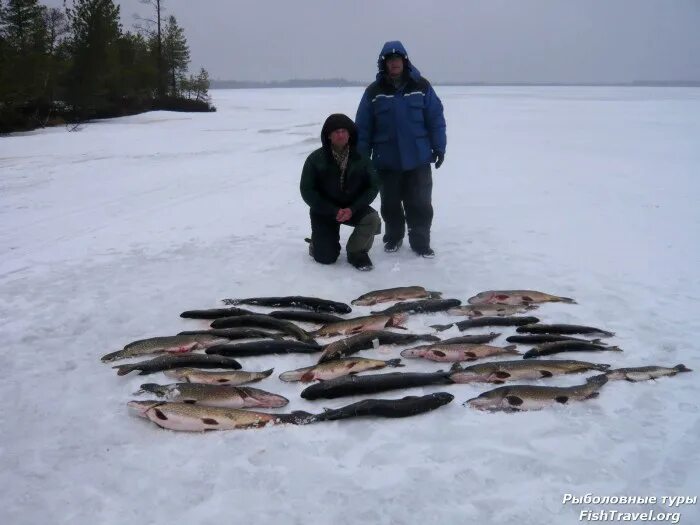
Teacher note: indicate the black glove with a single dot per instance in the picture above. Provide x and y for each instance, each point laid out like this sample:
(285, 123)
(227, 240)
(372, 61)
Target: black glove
(438, 158)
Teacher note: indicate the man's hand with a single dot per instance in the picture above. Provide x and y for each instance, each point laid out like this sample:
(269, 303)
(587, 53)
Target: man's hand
(343, 215)
(438, 158)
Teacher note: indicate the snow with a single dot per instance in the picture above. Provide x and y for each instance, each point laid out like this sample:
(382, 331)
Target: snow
(110, 232)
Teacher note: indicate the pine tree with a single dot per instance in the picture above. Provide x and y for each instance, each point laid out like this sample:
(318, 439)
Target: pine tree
(176, 56)
(95, 30)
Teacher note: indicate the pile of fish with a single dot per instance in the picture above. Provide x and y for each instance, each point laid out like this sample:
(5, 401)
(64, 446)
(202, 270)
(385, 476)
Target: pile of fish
(209, 392)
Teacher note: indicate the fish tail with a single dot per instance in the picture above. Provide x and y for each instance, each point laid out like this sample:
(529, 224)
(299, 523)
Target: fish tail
(298, 417)
(598, 380)
(441, 327)
(614, 348)
(600, 367)
(267, 373)
(511, 349)
(682, 368)
(434, 295)
(566, 300)
(456, 367)
(110, 357)
(394, 362)
(231, 301)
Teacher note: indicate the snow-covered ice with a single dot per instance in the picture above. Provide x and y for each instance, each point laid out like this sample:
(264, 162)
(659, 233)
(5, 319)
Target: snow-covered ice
(108, 233)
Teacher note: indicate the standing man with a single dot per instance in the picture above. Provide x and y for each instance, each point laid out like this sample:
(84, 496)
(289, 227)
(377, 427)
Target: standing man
(401, 124)
(339, 185)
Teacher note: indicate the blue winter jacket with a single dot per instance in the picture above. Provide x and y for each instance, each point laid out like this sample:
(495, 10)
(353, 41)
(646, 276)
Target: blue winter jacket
(400, 127)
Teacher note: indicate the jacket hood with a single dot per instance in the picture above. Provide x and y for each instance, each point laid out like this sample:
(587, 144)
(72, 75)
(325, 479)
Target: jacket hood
(337, 121)
(395, 46)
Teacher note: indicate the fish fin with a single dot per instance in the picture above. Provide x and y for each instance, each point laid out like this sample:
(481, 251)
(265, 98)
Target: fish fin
(502, 374)
(268, 373)
(592, 395)
(530, 354)
(511, 349)
(470, 354)
(565, 300)
(231, 301)
(562, 399)
(160, 415)
(546, 373)
(394, 362)
(682, 368)
(614, 348)
(441, 327)
(514, 400)
(122, 370)
(439, 353)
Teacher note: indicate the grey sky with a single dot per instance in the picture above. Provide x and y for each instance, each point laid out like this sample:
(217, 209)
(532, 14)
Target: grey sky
(448, 40)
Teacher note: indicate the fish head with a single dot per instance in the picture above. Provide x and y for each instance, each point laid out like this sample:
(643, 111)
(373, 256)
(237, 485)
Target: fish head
(397, 320)
(417, 351)
(264, 399)
(364, 302)
(442, 398)
(492, 400)
(140, 408)
(480, 298)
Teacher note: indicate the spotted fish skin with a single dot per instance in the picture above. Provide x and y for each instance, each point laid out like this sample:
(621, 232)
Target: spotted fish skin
(491, 310)
(198, 418)
(337, 368)
(294, 301)
(517, 297)
(645, 373)
(499, 372)
(454, 352)
(232, 378)
(518, 398)
(215, 395)
(394, 294)
(167, 344)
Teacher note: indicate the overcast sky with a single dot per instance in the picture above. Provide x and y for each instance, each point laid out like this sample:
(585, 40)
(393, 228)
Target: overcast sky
(448, 40)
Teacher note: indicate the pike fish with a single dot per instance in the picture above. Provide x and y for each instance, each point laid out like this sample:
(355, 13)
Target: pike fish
(644, 373)
(197, 418)
(394, 294)
(167, 362)
(215, 395)
(535, 339)
(295, 301)
(562, 329)
(305, 316)
(499, 372)
(525, 397)
(516, 297)
(214, 313)
(336, 368)
(457, 352)
(263, 348)
(157, 345)
(362, 324)
(420, 307)
(476, 339)
(366, 340)
(404, 407)
(263, 321)
(567, 346)
(235, 333)
(369, 384)
(487, 321)
(235, 378)
(493, 310)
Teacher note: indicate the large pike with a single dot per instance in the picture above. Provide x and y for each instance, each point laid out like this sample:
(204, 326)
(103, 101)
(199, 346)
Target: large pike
(215, 313)
(263, 348)
(457, 352)
(295, 301)
(337, 368)
(157, 345)
(263, 321)
(536, 339)
(215, 395)
(197, 418)
(420, 307)
(235, 333)
(369, 384)
(516, 297)
(367, 340)
(491, 310)
(478, 322)
(362, 324)
(404, 407)
(644, 373)
(168, 362)
(234, 378)
(563, 329)
(499, 372)
(394, 294)
(305, 316)
(525, 397)
(568, 346)
(476, 339)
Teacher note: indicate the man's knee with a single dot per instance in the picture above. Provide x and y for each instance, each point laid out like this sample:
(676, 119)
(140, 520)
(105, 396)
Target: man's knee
(325, 256)
(372, 222)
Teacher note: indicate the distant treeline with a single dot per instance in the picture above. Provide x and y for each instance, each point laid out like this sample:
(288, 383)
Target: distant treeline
(341, 82)
(76, 63)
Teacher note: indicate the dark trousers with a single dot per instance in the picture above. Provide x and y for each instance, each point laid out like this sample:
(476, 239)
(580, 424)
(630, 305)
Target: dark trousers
(325, 235)
(407, 200)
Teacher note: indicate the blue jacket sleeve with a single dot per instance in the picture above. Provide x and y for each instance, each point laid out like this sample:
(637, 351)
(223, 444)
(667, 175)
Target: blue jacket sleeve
(365, 125)
(435, 121)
